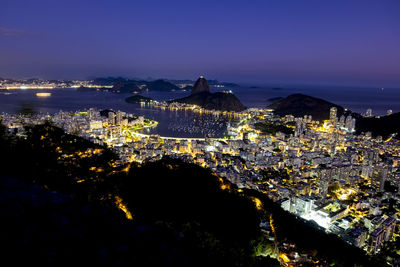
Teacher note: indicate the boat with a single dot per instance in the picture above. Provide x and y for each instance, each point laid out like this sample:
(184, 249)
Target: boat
(43, 94)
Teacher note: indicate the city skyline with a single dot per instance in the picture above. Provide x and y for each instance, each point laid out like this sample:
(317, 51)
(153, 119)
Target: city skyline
(343, 43)
(183, 133)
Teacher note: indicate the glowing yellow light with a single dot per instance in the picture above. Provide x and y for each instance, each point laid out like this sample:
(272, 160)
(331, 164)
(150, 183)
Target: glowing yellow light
(127, 168)
(223, 187)
(258, 203)
(122, 206)
(271, 223)
(284, 257)
(344, 194)
(43, 94)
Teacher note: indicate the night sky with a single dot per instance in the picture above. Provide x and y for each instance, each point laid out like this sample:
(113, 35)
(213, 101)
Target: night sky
(331, 42)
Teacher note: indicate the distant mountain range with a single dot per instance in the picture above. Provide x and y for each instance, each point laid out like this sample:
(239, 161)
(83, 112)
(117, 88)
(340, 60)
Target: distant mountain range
(123, 85)
(210, 82)
(299, 105)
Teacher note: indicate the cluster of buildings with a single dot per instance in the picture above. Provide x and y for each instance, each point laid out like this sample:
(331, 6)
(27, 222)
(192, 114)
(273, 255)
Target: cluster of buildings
(47, 84)
(346, 123)
(338, 180)
(107, 127)
(348, 184)
(197, 109)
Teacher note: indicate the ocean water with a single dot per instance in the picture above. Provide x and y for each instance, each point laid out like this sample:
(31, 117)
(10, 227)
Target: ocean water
(186, 123)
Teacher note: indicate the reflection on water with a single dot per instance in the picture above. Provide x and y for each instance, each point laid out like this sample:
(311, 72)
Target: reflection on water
(182, 123)
(190, 124)
(204, 124)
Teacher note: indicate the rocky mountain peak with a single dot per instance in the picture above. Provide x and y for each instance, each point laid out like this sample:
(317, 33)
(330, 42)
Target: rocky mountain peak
(201, 86)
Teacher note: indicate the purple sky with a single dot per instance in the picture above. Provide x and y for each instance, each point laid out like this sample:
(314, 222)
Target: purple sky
(335, 42)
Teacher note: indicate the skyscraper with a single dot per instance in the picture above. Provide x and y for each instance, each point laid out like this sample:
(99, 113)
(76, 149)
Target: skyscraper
(382, 178)
(118, 118)
(332, 115)
(342, 121)
(300, 127)
(349, 123)
(111, 117)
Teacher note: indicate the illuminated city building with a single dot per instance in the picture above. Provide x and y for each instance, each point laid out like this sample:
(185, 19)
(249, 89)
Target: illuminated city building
(377, 238)
(333, 115)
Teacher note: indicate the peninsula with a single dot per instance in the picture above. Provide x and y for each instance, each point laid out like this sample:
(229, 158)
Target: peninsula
(300, 105)
(202, 96)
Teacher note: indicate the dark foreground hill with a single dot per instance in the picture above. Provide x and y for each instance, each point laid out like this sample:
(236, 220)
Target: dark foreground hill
(172, 225)
(299, 105)
(218, 101)
(51, 229)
